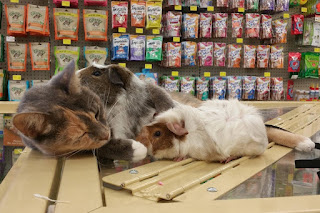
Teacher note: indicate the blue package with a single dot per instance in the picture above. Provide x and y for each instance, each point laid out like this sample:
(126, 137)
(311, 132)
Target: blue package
(147, 76)
(218, 88)
(120, 46)
(248, 87)
(234, 87)
(16, 89)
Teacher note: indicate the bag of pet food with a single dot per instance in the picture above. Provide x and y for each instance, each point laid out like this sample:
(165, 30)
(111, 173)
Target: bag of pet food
(237, 25)
(252, 5)
(222, 3)
(16, 19)
(235, 4)
(95, 25)
(73, 3)
(219, 54)
(37, 16)
(263, 53)
(3, 84)
(205, 53)
(154, 48)
(66, 23)
(96, 2)
(316, 35)
(307, 32)
(202, 88)
(297, 24)
(16, 89)
(39, 82)
(205, 25)
(120, 46)
(40, 55)
(266, 22)
(249, 56)
(94, 54)
(263, 88)
(252, 25)
(1, 48)
(276, 57)
(248, 87)
(172, 2)
(154, 15)
(188, 85)
(309, 65)
(173, 24)
(280, 31)
(170, 83)
(17, 56)
(174, 54)
(267, 5)
(190, 26)
(218, 88)
(294, 61)
(220, 25)
(282, 5)
(234, 87)
(119, 14)
(234, 55)
(64, 55)
(189, 53)
(206, 3)
(148, 77)
(191, 2)
(137, 47)
(277, 90)
(138, 13)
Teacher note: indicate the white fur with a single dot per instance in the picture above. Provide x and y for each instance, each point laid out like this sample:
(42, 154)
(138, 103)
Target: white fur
(139, 151)
(305, 146)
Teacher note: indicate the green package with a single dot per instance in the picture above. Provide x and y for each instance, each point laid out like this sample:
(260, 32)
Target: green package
(202, 88)
(188, 85)
(3, 84)
(64, 55)
(170, 83)
(307, 32)
(310, 65)
(154, 48)
(294, 3)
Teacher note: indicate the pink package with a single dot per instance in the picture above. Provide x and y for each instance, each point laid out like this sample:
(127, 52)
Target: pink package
(222, 3)
(219, 54)
(235, 4)
(220, 25)
(95, 2)
(73, 3)
(252, 25)
(205, 25)
(205, 53)
(266, 31)
(173, 24)
(237, 25)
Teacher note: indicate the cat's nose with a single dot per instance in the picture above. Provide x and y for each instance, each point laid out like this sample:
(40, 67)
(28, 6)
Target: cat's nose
(105, 135)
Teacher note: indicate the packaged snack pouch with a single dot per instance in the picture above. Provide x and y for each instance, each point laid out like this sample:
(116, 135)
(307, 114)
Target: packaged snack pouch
(17, 56)
(277, 90)
(234, 55)
(73, 3)
(263, 53)
(189, 53)
(137, 47)
(170, 83)
(190, 25)
(294, 61)
(119, 14)
(96, 2)
(219, 54)
(66, 23)
(316, 35)
(17, 89)
(263, 88)
(309, 65)
(95, 24)
(174, 54)
(173, 25)
(234, 87)
(64, 55)
(280, 29)
(249, 56)
(222, 3)
(276, 57)
(202, 88)
(94, 54)
(235, 4)
(37, 16)
(218, 88)
(173, 2)
(3, 84)
(252, 5)
(205, 53)
(282, 5)
(248, 87)
(220, 25)
(164, 61)
(120, 47)
(1, 48)
(40, 55)
(266, 22)
(138, 13)
(307, 32)
(252, 25)
(191, 2)
(205, 25)
(206, 3)
(290, 90)
(16, 19)
(237, 25)
(297, 24)
(188, 85)
(39, 82)
(294, 3)
(267, 5)
(154, 48)
(148, 77)
(154, 15)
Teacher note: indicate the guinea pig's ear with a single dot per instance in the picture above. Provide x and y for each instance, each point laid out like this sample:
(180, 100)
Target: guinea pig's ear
(177, 128)
(120, 76)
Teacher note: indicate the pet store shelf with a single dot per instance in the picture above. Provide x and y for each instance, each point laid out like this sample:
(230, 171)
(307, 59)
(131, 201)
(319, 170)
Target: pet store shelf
(8, 106)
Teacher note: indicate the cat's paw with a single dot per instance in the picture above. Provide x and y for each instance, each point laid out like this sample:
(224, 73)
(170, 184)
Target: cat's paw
(306, 146)
(139, 151)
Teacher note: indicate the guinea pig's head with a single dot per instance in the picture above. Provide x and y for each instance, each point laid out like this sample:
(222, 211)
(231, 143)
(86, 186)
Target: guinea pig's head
(163, 139)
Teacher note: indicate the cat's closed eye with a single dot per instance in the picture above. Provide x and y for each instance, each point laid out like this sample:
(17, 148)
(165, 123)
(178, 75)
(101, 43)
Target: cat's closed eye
(97, 73)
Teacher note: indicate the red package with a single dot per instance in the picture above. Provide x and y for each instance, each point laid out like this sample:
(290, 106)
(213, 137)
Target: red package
(252, 25)
(219, 54)
(205, 25)
(297, 24)
(220, 25)
(237, 25)
(222, 3)
(294, 62)
(249, 56)
(266, 22)
(290, 90)
(119, 14)
(235, 4)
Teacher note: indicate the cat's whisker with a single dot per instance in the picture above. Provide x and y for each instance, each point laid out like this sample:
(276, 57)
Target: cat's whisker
(73, 154)
(112, 107)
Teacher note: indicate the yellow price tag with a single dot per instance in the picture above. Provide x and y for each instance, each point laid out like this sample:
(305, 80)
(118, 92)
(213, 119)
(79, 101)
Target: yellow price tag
(14, 1)
(210, 8)
(207, 74)
(193, 8)
(304, 9)
(241, 10)
(148, 66)
(66, 41)
(175, 73)
(176, 39)
(16, 77)
(239, 40)
(223, 74)
(139, 30)
(266, 74)
(286, 15)
(317, 50)
(65, 3)
(122, 64)
(178, 7)
(156, 31)
(121, 30)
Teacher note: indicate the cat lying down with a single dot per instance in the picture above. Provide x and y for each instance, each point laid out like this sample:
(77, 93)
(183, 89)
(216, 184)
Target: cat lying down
(215, 131)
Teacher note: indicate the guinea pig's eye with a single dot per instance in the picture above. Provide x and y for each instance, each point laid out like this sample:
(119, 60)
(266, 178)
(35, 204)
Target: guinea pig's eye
(96, 73)
(157, 134)
(97, 115)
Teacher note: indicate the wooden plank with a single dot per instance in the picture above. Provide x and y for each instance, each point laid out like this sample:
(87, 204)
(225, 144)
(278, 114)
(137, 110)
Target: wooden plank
(8, 107)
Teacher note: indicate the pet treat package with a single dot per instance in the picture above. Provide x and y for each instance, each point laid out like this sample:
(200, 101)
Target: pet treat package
(3, 84)
(95, 25)
(173, 24)
(154, 15)
(277, 90)
(297, 24)
(39, 82)
(218, 88)
(294, 59)
(16, 19)
(252, 25)
(263, 54)
(252, 5)
(37, 18)
(282, 5)
(73, 3)
(173, 2)
(234, 55)
(16, 89)
(170, 83)
(316, 35)
(267, 5)
(96, 2)
(248, 87)
(189, 53)
(266, 22)
(173, 54)
(223, 3)
(191, 2)
(309, 65)
(188, 85)
(219, 54)
(263, 88)
(205, 53)
(205, 25)
(64, 55)
(276, 57)
(137, 47)
(17, 56)
(249, 56)
(190, 26)
(94, 54)
(234, 87)
(119, 14)
(202, 88)
(40, 55)
(66, 23)
(138, 13)
(206, 3)
(148, 77)
(290, 90)
(154, 48)
(280, 31)
(1, 48)
(235, 4)
(307, 32)
(294, 3)
(220, 25)
(120, 46)
(237, 25)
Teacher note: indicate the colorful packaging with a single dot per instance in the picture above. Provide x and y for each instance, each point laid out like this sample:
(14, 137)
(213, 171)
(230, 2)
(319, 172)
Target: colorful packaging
(290, 90)
(170, 83)
(316, 35)
(234, 87)
(64, 55)
(16, 89)
(138, 13)
(66, 23)
(73, 3)
(189, 53)
(94, 54)
(205, 25)
(248, 87)
(294, 3)
(1, 48)
(205, 53)
(234, 55)
(95, 24)
(96, 2)
(266, 22)
(263, 53)
(249, 56)
(297, 24)
(173, 24)
(37, 17)
(119, 14)
(235, 4)
(276, 57)
(219, 54)
(148, 77)
(252, 5)
(17, 56)
(137, 47)
(267, 5)
(39, 82)
(263, 88)
(3, 84)
(154, 48)
(173, 2)
(16, 19)
(206, 3)
(120, 47)
(237, 25)
(282, 5)
(191, 2)
(190, 26)
(277, 90)
(202, 88)
(220, 25)
(222, 3)
(280, 31)
(309, 65)
(40, 55)
(252, 25)
(174, 54)
(307, 32)
(218, 88)
(188, 85)
(154, 15)
(294, 61)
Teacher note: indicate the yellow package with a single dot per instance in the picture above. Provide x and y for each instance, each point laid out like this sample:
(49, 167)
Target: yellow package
(154, 13)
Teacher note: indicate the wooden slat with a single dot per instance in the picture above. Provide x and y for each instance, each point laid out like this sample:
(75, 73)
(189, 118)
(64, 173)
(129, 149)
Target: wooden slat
(8, 107)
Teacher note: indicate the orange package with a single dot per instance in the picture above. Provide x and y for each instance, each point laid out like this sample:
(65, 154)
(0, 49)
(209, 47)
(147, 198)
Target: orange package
(66, 23)
(263, 53)
(234, 55)
(174, 54)
(138, 13)
(249, 56)
(17, 56)
(16, 19)
(40, 55)
(37, 17)
(95, 25)
(276, 57)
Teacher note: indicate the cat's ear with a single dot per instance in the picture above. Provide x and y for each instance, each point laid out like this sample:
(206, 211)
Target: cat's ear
(67, 79)
(120, 76)
(177, 128)
(32, 124)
